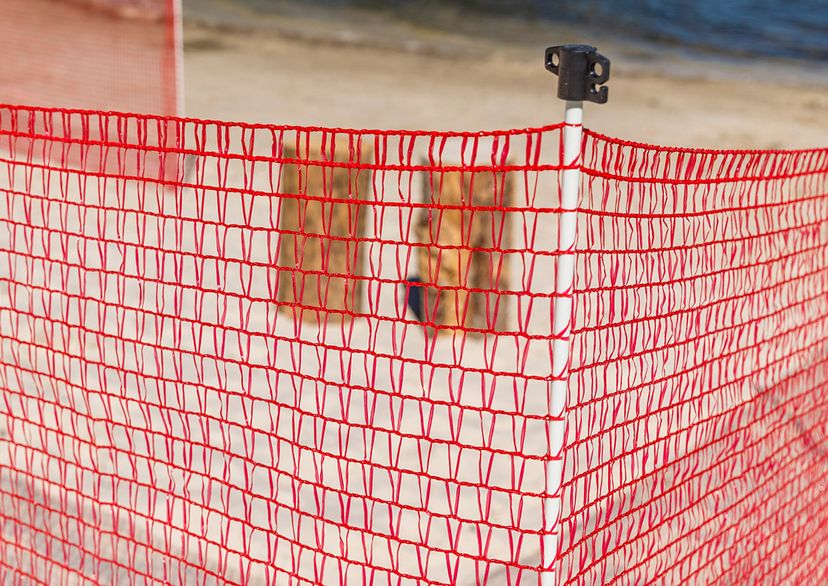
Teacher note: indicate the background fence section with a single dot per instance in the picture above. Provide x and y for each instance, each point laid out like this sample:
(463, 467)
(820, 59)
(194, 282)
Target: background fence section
(304, 356)
(696, 447)
(98, 54)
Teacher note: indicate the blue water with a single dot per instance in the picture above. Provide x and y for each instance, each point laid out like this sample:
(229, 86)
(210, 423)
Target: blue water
(779, 28)
(789, 28)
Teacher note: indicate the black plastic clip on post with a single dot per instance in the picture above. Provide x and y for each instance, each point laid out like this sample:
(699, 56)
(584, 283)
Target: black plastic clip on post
(581, 72)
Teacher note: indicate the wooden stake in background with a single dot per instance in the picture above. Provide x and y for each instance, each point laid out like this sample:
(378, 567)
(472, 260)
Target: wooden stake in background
(462, 266)
(322, 227)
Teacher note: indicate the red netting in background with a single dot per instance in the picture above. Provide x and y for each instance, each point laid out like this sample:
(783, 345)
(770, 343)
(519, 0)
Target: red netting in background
(106, 55)
(312, 356)
(696, 448)
(97, 54)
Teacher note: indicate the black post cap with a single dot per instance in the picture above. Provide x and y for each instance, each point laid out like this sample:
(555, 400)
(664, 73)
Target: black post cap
(581, 72)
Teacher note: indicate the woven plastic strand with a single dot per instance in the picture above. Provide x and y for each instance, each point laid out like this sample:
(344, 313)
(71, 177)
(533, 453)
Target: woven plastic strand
(262, 354)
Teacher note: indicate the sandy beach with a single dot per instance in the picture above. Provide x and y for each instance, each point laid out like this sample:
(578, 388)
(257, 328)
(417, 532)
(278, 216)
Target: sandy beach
(350, 68)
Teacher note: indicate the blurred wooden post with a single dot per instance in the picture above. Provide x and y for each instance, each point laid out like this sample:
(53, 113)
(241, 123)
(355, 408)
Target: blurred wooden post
(321, 224)
(460, 262)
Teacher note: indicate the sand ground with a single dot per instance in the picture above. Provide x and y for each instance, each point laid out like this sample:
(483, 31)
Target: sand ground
(374, 70)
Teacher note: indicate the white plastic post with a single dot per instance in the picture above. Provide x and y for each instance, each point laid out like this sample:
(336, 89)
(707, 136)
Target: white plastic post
(582, 73)
(561, 328)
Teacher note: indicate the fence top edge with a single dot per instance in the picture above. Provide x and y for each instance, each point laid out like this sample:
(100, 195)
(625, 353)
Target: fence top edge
(700, 151)
(281, 127)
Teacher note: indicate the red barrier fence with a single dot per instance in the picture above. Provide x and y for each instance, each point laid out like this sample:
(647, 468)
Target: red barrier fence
(319, 355)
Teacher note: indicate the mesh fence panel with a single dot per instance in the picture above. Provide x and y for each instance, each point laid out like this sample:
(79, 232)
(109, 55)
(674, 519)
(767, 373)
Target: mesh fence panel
(246, 353)
(696, 447)
(311, 356)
